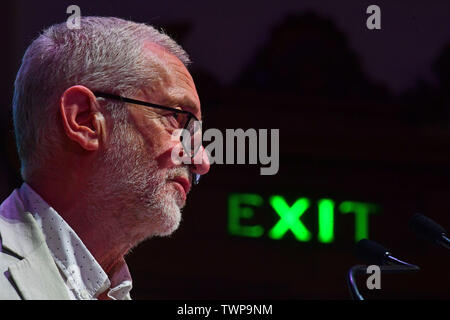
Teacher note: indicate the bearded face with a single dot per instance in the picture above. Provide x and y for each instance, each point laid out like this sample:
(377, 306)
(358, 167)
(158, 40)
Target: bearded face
(146, 201)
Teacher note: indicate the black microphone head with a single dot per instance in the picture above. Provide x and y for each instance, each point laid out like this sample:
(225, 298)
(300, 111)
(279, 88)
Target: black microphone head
(371, 252)
(426, 228)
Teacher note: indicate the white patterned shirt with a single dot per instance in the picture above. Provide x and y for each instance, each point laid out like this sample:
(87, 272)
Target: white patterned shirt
(84, 277)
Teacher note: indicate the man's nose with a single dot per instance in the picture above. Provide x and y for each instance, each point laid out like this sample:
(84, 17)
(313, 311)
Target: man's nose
(200, 163)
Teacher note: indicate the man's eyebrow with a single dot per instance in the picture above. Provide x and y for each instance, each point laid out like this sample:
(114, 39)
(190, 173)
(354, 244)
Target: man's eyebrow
(187, 103)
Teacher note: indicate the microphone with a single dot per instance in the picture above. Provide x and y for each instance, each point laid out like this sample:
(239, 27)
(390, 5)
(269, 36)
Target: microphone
(428, 229)
(374, 253)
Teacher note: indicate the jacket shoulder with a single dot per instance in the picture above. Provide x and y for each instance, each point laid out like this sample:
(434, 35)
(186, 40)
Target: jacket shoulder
(18, 230)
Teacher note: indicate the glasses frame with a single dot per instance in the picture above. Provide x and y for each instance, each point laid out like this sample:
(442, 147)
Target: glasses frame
(99, 94)
(147, 104)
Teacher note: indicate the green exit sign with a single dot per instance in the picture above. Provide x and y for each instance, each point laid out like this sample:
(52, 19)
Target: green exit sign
(242, 206)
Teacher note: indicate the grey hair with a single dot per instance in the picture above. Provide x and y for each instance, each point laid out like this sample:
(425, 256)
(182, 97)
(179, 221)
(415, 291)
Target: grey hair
(105, 54)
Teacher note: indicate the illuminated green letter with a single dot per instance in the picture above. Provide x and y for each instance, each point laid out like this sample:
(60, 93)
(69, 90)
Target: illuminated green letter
(361, 211)
(326, 221)
(289, 218)
(236, 212)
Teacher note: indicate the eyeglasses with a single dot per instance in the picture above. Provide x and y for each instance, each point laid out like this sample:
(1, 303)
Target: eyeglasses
(182, 119)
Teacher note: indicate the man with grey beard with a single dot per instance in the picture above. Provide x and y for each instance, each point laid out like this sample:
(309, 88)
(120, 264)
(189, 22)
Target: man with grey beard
(95, 111)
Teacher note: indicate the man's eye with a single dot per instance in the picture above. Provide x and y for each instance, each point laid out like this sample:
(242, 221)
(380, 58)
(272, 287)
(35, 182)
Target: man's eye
(175, 119)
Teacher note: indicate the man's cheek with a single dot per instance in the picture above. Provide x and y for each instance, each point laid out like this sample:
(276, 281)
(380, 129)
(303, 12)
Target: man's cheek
(176, 149)
(173, 156)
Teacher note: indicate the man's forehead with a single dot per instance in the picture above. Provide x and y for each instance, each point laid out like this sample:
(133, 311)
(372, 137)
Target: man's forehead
(168, 64)
(159, 51)
(176, 81)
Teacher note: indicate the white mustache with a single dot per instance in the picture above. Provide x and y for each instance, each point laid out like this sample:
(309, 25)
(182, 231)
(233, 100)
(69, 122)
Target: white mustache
(179, 172)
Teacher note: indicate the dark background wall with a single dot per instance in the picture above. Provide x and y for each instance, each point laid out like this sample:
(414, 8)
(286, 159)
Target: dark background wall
(363, 116)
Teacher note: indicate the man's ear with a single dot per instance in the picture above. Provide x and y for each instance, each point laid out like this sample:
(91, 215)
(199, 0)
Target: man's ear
(81, 117)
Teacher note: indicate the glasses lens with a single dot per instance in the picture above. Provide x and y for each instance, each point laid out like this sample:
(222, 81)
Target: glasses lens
(191, 139)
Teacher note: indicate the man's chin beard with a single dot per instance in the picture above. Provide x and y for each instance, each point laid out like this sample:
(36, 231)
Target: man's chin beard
(163, 218)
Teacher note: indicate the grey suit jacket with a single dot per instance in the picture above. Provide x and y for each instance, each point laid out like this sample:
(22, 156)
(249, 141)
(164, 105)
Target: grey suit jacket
(27, 268)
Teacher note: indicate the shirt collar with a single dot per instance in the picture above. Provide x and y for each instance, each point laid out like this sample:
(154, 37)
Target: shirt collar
(84, 275)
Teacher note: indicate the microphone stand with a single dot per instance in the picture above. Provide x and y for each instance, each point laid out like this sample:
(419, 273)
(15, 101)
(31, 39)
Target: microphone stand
(362, 269)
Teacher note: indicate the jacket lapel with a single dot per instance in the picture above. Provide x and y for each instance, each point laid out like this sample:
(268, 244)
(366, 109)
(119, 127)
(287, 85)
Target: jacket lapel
(36, 274)
(37, 277)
